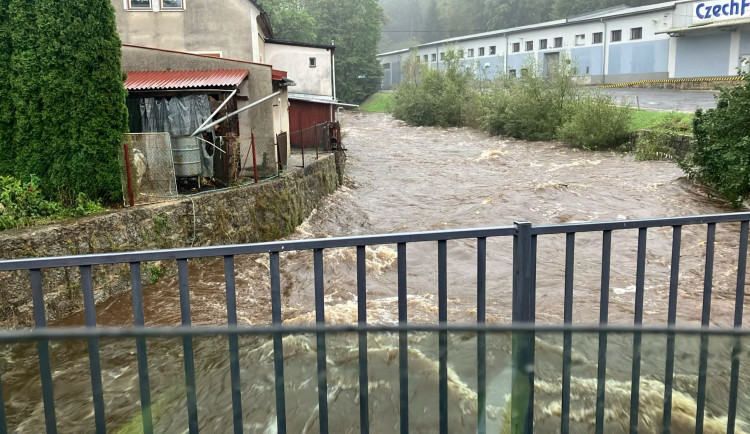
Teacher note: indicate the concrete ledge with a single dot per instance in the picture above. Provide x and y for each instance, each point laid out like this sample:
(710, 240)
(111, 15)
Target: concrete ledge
(248, 214)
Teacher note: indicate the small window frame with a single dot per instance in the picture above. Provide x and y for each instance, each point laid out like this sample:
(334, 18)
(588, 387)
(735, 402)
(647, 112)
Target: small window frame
(558, 42)
(313, 62)
(580, 40)
(129, 6)
(636, 33)
(615, 36)
(597, 37)
(172, 8)
(493, 50)
(542, 44)
(516, 48)
(481, 52)
(470, 53)
(529, 45)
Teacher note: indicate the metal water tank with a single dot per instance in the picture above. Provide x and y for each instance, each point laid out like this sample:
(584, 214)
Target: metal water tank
(186, 153)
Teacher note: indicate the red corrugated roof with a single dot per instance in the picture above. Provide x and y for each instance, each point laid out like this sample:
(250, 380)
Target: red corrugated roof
(278, 75)
(157, 80)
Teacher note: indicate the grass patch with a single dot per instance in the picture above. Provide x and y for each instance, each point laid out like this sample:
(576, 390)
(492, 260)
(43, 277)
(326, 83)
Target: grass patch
(377, 103)
(674, 122)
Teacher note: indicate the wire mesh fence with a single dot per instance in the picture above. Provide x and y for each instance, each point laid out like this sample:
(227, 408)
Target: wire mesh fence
(147, 168)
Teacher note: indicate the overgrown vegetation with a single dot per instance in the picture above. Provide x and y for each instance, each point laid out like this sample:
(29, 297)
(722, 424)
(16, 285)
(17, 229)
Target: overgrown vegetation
(377, 103)
(63, 114)
(536, 106)
(720, 155)
(23, 204)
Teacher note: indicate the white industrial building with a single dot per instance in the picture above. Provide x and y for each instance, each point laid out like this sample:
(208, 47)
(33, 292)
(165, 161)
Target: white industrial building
(672, 40)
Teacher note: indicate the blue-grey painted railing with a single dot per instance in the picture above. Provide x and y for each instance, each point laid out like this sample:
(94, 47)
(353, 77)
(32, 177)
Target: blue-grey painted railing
(523, 329)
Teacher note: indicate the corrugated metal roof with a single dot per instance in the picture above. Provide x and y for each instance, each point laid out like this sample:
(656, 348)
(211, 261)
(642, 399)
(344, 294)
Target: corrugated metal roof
(158, 80)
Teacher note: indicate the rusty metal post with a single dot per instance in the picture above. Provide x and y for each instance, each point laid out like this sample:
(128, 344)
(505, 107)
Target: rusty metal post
(255, 161)
(302, 144)
(129, 174)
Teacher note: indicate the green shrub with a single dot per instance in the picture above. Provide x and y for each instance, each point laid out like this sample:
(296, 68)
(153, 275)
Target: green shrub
(654, 145)
(596, 123)
(720, 155)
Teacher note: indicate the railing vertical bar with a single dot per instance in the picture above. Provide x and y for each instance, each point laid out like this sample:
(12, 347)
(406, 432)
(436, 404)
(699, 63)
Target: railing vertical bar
(187, 346)
(234, 344)
(278, 343)
(403, 346)
(638, 321)
(522, 398)
(671, 320)
(570, 243)
(321, 340)
(364, 384)
(3, 419)
(95, 367)
(601, 375)
(705, 322)
(738, 307)
(139, 320)
(45, 368)
(443, 335)
(482, 337)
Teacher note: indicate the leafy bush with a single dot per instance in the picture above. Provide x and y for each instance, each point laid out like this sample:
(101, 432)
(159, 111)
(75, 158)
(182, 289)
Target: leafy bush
(23, 204)
(433, 97)
(596, 123)
(654, 145)
(720, 156)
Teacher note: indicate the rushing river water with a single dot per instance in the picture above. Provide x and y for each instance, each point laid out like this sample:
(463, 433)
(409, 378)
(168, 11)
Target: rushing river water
(403, 179)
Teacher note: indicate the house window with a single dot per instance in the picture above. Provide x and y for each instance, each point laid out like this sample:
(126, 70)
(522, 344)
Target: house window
(434, 57)
(470, 52)
(442, 56)
(512, 73)
(172, 4)
(529, 45)
(636, 33)
(386, 66)
(558, 42)
(616, 36)
(139, 4)
(460, 54)
(481, 51)
(314, 61)
(542, 44)
(493, 50)
(516, 47)
(580, 40)
(425, 58)
(596, 38)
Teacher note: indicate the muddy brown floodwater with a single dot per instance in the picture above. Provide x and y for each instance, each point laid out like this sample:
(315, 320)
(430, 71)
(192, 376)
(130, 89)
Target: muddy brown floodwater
(400, 179)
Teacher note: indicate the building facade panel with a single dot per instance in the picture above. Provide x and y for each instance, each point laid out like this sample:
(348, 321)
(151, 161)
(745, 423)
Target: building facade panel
(702, 55)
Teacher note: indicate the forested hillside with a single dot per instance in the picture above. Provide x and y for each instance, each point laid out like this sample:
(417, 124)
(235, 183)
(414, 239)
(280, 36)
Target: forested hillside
(418, 21)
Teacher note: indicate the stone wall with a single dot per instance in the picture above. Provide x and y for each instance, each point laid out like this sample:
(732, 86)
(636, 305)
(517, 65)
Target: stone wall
(248, 214)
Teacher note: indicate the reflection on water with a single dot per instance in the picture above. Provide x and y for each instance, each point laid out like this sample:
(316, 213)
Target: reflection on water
(414, 179)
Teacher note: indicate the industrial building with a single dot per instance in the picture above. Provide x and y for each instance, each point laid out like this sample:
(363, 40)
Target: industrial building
(671, 40)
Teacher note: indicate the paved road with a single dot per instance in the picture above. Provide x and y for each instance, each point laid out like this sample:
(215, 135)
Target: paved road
(664, 99)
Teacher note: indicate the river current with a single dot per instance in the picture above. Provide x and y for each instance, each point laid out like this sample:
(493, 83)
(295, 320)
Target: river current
(406, 179)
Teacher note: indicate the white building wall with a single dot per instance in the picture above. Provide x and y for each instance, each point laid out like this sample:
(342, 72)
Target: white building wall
(295, 60)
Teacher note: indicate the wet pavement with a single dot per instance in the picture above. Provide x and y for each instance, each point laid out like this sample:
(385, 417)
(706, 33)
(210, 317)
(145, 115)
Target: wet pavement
(665, 99)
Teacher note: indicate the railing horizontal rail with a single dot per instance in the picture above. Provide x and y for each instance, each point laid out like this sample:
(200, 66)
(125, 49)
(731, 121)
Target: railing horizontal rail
(64, 333)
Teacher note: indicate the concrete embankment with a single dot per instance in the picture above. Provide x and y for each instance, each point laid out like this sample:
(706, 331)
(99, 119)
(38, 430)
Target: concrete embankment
(253, 213)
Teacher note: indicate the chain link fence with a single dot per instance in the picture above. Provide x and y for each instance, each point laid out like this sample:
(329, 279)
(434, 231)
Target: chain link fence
(147, 168)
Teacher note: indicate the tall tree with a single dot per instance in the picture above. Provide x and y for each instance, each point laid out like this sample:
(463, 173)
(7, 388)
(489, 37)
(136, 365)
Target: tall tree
(290, 20)
(354, 27)
(69, 113)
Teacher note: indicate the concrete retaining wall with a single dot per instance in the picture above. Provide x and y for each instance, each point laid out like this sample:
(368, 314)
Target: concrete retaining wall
(248, 214)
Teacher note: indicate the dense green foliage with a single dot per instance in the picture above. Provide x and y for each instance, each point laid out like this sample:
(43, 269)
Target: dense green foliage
(23, 204)
(6, 105)
(596, 123)
(417, 21)
(68, 111)
(377, 103)
(353, 26)
(536, 106)
(720, 155)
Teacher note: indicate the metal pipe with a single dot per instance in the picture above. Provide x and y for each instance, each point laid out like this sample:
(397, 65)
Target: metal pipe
(243, 109)
(604, 53)
(333, 69)
(131, 196)
(226, 100)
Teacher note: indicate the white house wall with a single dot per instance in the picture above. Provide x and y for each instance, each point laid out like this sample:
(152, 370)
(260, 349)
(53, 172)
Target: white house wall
(295, 60)
(656, 55)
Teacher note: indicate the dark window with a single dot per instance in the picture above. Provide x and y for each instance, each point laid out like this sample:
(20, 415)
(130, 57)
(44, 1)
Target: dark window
(171, 4)
(442, 56)
(425, 58)
(636, 33)
(493, 51)
(596, 38)
(616, 36)
(516, 47)
(529, 45)
(524, 72)
(434, 57)
(313, 62)
(470, 52)
(542, 44)
(481, 51)
(558, 42)
(386, 66)
(139, 4)
(512, 73)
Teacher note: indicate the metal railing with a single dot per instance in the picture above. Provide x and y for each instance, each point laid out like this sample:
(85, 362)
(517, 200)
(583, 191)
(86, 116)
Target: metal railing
(523, 329)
